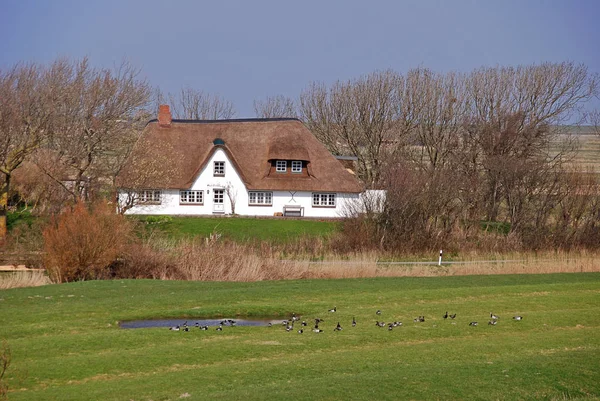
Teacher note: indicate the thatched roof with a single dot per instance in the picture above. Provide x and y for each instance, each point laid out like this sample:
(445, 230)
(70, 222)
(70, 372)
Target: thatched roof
(250, 144)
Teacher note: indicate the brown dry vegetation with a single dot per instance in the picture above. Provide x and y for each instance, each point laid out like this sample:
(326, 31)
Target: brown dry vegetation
(202, 260)
(228, 261)
(20, 279)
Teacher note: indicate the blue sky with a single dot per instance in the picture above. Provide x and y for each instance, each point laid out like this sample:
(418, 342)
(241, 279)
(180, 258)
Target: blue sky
(246, 50)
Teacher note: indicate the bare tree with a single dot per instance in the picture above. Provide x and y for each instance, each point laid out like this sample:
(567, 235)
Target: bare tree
(232, 193)
(151, 164)
(440, 111)
(275, 107)
(509, 117)
(27, 95)
(100, 116)
(193, 104)
(594, 115)
(356, 117)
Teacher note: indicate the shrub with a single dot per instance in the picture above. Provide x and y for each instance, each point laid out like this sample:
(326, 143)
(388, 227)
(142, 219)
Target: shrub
(158, 219)
(83, 243)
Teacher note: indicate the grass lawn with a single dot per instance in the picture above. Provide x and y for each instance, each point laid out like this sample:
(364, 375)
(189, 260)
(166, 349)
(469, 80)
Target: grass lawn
(66, 343)
(240, 228)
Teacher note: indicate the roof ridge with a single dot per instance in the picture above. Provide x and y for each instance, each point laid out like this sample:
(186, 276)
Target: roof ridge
(229, 120)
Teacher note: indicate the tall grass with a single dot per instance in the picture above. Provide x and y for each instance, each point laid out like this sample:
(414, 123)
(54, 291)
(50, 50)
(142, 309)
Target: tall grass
(202, 260)
(21, 279)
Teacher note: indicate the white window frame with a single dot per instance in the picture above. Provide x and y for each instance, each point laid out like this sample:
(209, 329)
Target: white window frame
(219, 169)
(150, 196)
(322, 199)
(281, 166)
(219, 196)
(296, 166)
(260, 198)
(187, 197)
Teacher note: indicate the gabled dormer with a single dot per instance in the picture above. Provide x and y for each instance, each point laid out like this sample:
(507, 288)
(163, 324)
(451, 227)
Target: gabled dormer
(288, 159)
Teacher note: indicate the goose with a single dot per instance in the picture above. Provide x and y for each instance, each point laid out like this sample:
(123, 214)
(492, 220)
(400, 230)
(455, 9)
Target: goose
(452, 316)
(333, 310)
(317, 330)
(186, 328)
(495, 317)
(300, 331)
(220, 328)
(518, 317)
(303, 323)
(378, 312)
(380, 324)
(174, 328)
(446, 315)
(397, 324)
(390, 327)
(204, 328)
(270, 324)
(289, 328)
(338, 327)
(317, 320)
(197, 324)
(492, 322)
(294, 317)
(473, 324)
(353, 322)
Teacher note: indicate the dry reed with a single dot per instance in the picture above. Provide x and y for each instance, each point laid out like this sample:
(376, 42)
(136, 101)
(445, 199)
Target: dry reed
(20, 279)
(230, 261)
(474, 264)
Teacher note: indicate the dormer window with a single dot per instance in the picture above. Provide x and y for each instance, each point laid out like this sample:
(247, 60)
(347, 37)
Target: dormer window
(296, 166)
(281, 166)
(219, 169)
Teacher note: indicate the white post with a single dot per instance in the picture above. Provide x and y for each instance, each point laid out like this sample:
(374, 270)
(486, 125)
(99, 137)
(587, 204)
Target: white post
(440, 259)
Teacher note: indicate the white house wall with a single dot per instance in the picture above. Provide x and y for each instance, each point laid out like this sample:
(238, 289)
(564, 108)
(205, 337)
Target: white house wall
(232, 182)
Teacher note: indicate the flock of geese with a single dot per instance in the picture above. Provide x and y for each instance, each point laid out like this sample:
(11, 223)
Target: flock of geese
(288, 324)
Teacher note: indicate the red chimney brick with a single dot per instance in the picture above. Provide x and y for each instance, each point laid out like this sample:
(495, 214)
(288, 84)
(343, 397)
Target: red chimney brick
(164, 116)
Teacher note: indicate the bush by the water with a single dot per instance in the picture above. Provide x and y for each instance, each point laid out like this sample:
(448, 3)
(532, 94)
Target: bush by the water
(84, 241)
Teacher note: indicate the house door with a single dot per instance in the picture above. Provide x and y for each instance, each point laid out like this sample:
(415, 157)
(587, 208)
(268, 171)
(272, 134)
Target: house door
(218, 201)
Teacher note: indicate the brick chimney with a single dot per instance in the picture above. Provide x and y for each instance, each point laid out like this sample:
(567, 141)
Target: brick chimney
(164, 116)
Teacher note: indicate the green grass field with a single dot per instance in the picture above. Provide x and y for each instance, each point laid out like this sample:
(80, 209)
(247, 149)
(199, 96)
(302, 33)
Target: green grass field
(66, 343)
(240, 228)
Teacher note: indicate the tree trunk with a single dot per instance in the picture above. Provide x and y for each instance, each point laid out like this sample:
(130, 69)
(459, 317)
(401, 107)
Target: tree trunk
(4, 209)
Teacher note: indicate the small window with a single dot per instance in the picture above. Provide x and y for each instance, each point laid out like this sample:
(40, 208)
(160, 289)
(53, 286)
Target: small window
(323, 200)
(281, 166)
(191, 197)
(218, 197)
(296, 166)
(219, 170)
(260, 198)
(150, 196)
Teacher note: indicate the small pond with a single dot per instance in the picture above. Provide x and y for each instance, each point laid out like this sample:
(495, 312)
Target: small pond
(192, 323)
